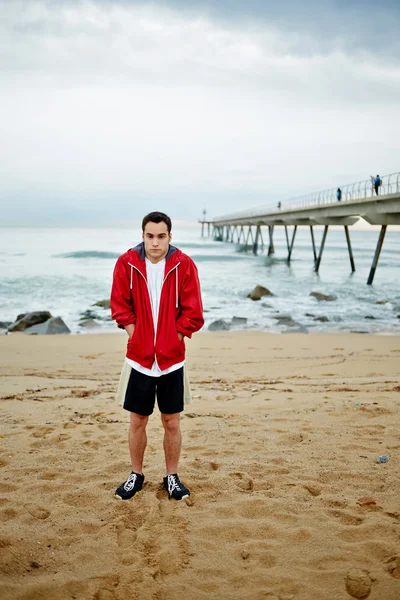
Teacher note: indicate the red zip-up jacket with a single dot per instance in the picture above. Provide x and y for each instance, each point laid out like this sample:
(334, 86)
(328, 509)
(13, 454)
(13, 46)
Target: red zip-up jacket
(180, 309)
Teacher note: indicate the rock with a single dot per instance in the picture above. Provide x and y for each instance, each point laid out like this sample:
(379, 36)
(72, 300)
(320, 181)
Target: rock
(322, 319)
(398, 317)
(370, 317)
(239, 320)
(89, 314)
(50, 327)
(102, 303)
(322, 297)
(219, 325)
(309, 315)
(30, 319)
(258, 292)
(285, 320)
(381, 302)
(89, 324)
(358, 583)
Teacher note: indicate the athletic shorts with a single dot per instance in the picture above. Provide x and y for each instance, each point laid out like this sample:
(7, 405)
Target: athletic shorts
(142, 389)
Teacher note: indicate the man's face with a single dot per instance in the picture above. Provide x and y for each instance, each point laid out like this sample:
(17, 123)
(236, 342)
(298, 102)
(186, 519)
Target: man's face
(156, 241)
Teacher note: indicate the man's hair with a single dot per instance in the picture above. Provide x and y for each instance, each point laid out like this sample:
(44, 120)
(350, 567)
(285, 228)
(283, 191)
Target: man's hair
(157, 217)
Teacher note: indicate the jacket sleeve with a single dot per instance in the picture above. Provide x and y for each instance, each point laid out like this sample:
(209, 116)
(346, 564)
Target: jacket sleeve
(121, 298)
(190, 317)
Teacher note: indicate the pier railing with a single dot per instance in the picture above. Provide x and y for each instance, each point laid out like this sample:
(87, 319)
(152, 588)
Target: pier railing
(351, 191)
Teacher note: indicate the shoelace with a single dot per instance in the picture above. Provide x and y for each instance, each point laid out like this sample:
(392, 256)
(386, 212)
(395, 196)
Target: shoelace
(130, 482)
(173, 484)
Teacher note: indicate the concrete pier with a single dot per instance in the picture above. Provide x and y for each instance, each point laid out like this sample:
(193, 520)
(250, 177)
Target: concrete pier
(318, 209)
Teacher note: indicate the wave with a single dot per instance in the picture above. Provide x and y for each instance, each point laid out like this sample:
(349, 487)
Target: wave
(88, 254)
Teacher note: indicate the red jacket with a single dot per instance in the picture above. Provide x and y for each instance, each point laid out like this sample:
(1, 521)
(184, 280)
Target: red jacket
(180, 309)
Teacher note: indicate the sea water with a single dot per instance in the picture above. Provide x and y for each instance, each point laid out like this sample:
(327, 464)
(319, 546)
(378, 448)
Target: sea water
(66, 271)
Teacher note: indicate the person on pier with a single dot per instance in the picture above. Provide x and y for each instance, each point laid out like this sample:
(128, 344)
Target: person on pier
(377, 184)
(339, 194)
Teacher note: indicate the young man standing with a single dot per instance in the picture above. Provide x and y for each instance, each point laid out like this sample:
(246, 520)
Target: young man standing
(156, 298)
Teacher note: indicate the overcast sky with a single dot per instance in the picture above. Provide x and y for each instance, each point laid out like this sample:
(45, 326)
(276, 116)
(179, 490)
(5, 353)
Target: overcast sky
(113, 108)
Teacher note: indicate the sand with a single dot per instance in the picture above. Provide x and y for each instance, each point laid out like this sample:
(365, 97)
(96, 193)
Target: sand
(280, 444)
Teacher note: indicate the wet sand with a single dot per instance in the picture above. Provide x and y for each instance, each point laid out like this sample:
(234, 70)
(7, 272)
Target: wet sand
(279, 447)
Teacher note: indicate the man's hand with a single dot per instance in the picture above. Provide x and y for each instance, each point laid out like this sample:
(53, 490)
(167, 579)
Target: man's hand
(180, 335)
(130, 329)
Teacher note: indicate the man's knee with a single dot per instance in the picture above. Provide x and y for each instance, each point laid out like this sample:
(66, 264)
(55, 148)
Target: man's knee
(138, 422)
(171, 423)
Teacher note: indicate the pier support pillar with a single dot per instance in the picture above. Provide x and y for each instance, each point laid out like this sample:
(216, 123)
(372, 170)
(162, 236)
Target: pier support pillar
(271, 249)
(249, 233)
(346, 229)
(208, 229)
(377, 254)
(240, 234)
(202, 229)
(255, 245)
(291, 244)
(313, 242)
(318, 262)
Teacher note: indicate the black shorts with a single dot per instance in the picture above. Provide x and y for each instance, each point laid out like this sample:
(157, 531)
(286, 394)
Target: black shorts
(142, 389)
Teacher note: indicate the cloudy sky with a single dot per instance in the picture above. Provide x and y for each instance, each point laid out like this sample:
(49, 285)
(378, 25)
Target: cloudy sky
(113, 108)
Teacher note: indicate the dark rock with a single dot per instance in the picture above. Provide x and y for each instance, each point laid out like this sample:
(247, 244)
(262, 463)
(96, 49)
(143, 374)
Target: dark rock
(239, 320)
(381, 302)
(285, 320)
(322, 319)
(102, 303)
(30, 319)
(89, 314)
(309, 315)
(398, 316)
(369, 317)
(219, 325)
(89, 324)
(50, 327)
(258, 292)
(322, 297)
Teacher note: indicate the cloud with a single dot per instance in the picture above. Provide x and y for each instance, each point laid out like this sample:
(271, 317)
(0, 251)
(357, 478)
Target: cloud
(109, 106)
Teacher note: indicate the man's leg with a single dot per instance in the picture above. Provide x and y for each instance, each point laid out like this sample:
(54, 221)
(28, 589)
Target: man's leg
(172, 441)
(137, 441)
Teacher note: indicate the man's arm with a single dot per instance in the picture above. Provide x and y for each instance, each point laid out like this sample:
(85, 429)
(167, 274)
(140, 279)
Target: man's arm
(190, 318)
(121, 297)
(130, 329)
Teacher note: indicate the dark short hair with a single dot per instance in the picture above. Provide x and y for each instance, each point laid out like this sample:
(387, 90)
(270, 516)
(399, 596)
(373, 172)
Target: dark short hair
(157, 217)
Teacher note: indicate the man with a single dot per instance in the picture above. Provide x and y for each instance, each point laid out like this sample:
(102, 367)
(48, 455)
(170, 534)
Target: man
(377, 184)
(156, 298)
(339, 194)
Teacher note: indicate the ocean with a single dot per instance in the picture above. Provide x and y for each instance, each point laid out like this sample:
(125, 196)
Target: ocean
(66, 271)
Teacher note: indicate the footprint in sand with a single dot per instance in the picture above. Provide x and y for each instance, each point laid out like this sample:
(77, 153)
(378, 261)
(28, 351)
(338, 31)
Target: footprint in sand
(37, 511)
(393, 566)
(243, 481)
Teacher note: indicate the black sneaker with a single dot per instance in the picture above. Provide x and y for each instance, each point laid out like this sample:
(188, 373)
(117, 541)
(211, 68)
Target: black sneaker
(133, 484)
(175, 487)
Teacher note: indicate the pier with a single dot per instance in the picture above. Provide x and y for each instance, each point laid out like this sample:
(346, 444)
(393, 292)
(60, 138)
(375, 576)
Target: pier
(318, 209)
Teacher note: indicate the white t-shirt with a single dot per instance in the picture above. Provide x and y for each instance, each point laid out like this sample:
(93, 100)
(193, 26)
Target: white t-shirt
(155, 278)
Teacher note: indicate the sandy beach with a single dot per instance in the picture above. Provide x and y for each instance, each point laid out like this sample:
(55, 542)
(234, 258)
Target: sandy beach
(280, 448)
